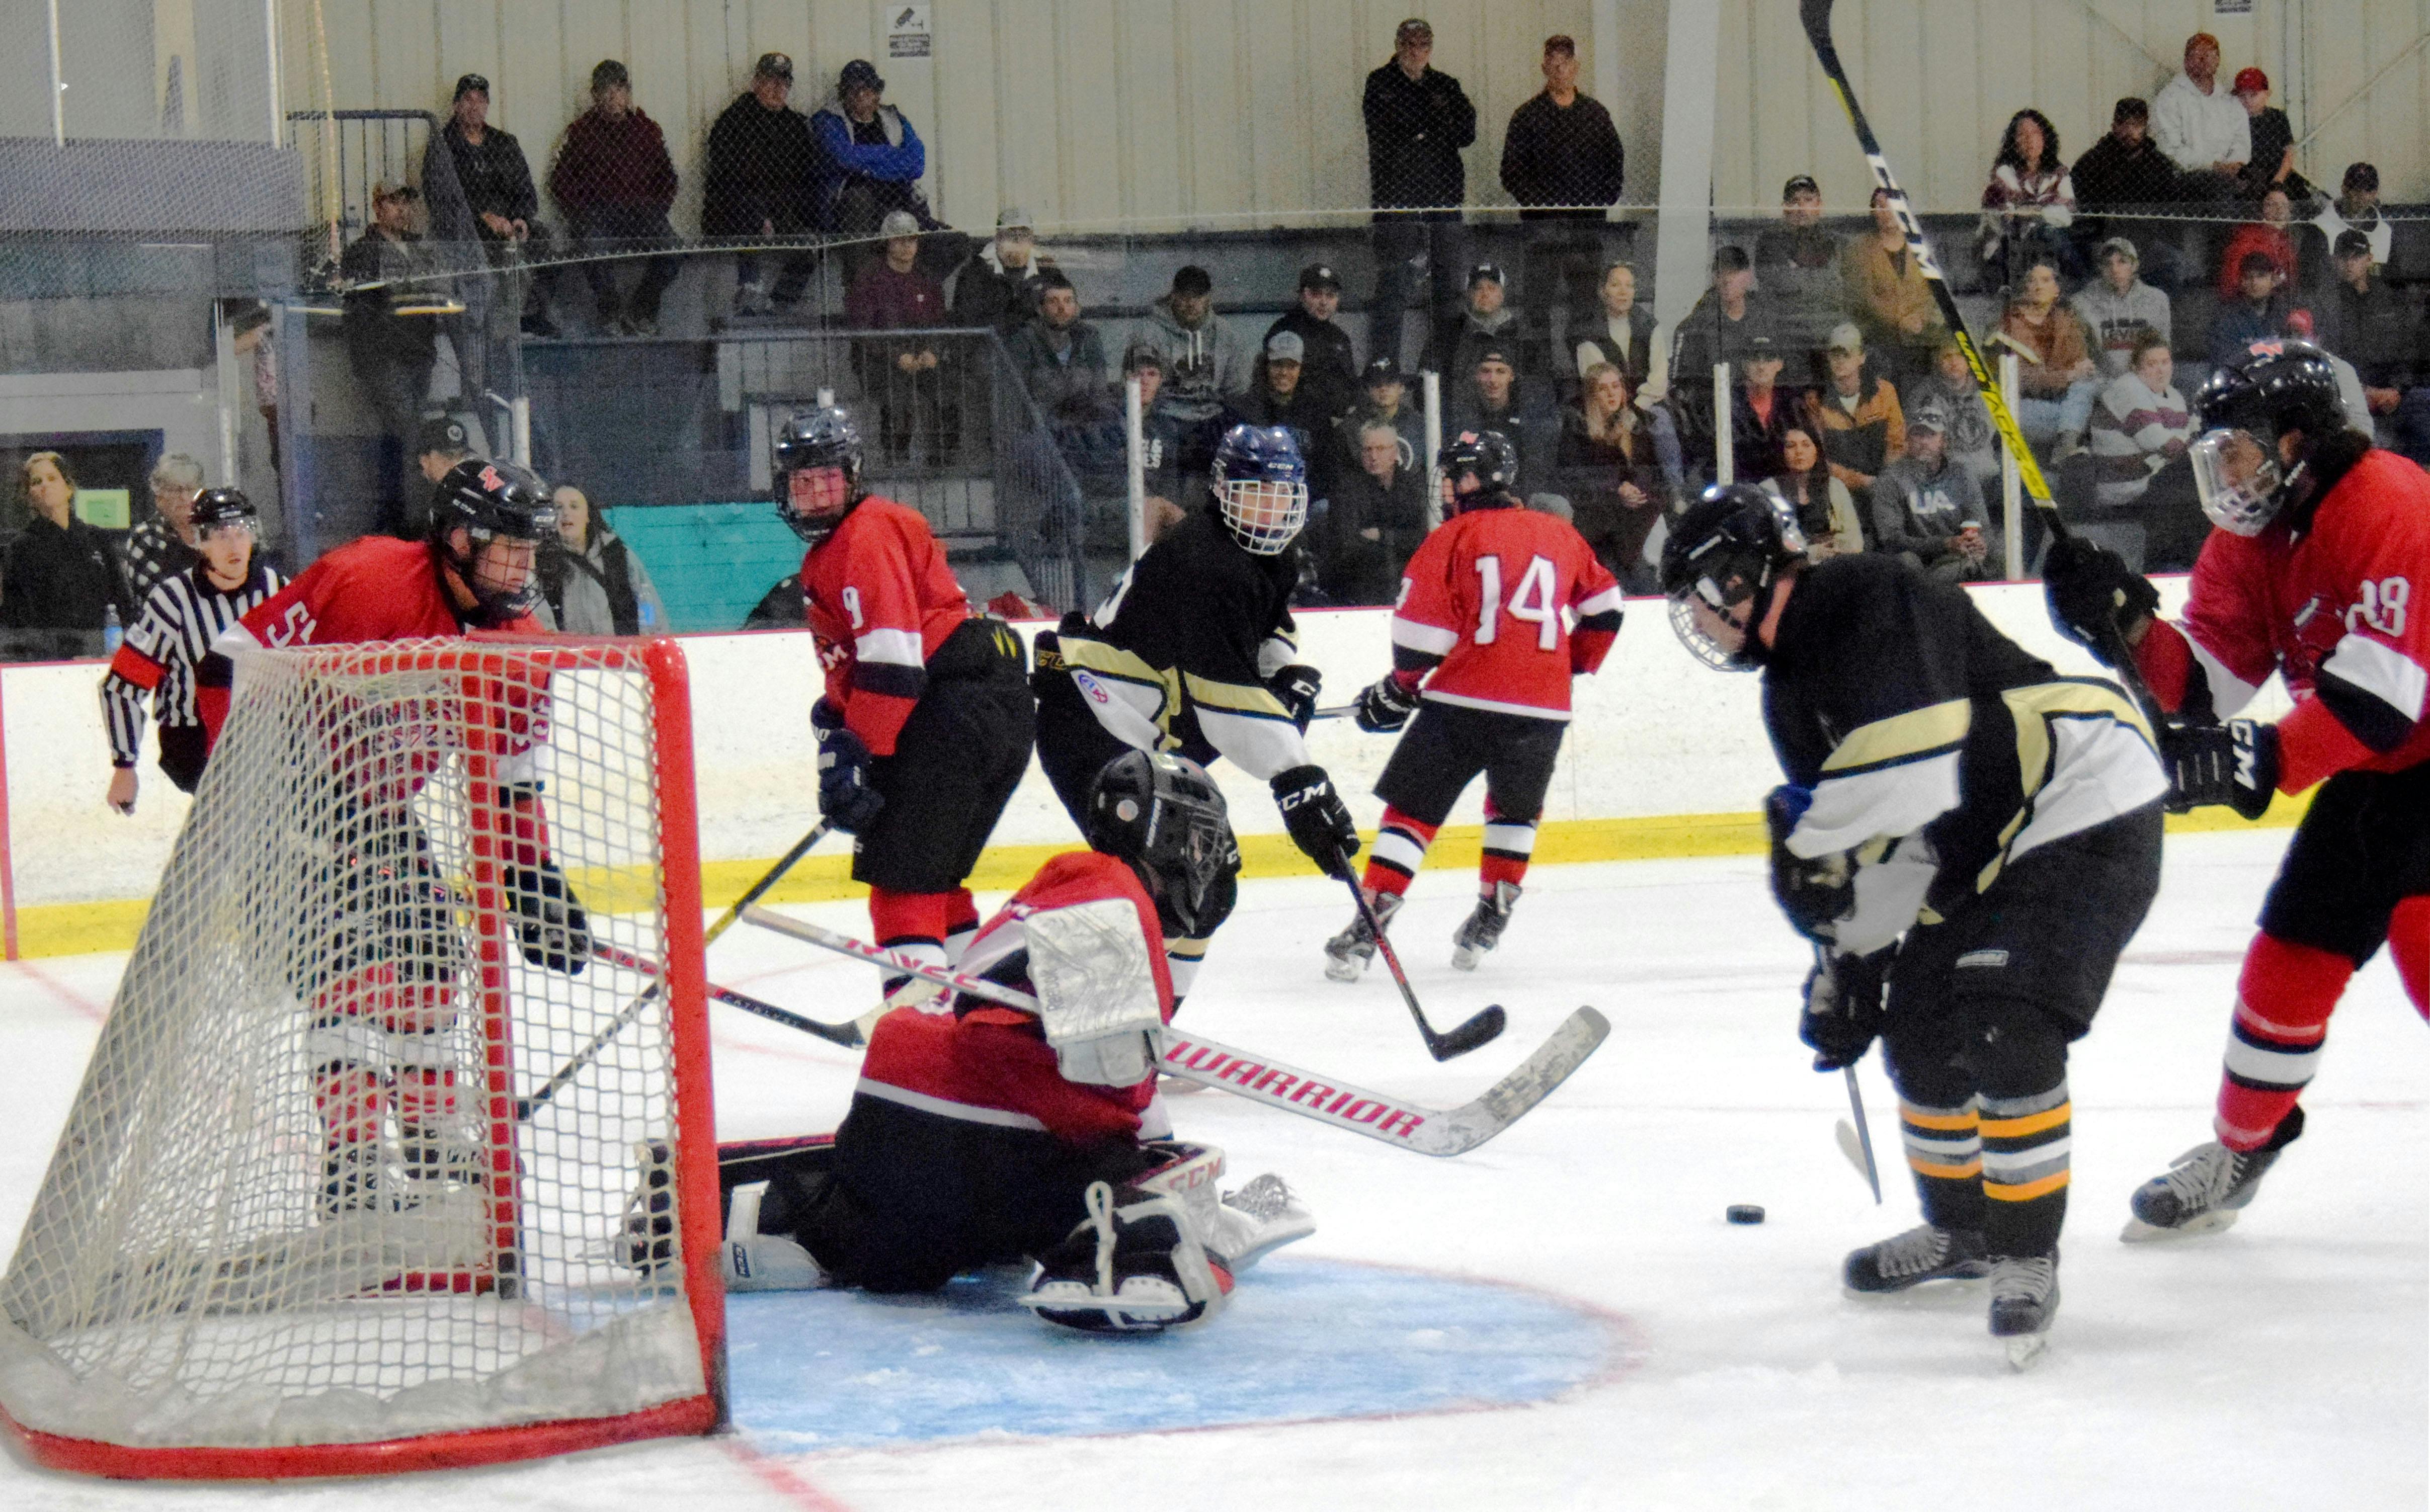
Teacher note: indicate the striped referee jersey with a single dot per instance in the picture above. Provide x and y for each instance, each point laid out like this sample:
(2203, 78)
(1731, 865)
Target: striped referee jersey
(184, 614)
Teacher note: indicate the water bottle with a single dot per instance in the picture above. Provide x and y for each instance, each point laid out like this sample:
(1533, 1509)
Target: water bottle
(113, 633)
(649, 617)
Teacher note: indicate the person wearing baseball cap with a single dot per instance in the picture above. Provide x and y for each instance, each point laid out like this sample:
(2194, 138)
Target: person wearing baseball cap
(874, 157)
(1279, 397)
(756, 185)
(2116, 306)
(2201, 126)
(497, 184)
(1562, 163)
(1797, 266)
(615, 182)
(2274, 139)
(1418, 121)
(390, 354)
(999, 284)
(1329, 367)
(1205, 360)
(2365, 321)
(2357, 208)
(1929, 508)
(1486, 319)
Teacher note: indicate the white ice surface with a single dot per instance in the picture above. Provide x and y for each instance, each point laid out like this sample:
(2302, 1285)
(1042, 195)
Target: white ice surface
(2285, 1363)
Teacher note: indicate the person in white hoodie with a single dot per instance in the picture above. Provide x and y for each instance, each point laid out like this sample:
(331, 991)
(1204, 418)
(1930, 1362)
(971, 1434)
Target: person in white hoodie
(2201, 126)
(2118, 308)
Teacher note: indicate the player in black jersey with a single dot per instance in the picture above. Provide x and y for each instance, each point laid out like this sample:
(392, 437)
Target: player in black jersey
(1195, 651)
(1964, 834)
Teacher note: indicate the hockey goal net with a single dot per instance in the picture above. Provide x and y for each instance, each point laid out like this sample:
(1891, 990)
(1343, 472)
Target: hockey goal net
(419, 999)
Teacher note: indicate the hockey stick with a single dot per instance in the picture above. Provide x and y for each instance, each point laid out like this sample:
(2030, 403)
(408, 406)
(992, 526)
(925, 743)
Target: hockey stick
(1479, 1029)
(784, 863)
(1263, 1079)
(1861, 1136)
(846, 1035)
(1335, 711)
(1815, 14)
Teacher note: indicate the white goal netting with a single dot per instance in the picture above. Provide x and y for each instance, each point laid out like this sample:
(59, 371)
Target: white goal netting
(352, 1161)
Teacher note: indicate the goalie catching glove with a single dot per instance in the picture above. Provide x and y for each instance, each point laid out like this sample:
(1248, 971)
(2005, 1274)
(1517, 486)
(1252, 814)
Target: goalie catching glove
(551, 924)
(1318, 820)
(1386, 705)
(846, 800)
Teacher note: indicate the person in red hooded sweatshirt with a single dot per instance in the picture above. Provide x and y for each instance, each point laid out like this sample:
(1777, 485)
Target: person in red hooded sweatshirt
(614, 181)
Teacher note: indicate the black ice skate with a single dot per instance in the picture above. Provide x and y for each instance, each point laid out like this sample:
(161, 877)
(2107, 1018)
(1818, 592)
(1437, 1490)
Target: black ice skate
(1483, 930)
(2205, 1188)
(647, 1241)
(1347, 954)
(2024, 1298)
(1921, 1254)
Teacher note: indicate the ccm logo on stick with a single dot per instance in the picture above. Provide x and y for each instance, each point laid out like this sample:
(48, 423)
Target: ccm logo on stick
(1287, 1087)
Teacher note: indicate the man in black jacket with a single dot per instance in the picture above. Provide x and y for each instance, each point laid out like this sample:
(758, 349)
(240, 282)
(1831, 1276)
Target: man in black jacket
(1002, 284)
(1329, 370)
(1418, 120)
(2123, 173)
(1561, 158)
(390, 351)
(761, 163)
(497, 184)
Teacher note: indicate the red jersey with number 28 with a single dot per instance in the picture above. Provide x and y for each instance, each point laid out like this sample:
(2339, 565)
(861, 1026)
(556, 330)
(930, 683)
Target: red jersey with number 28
(1499, 609)
(880, 601)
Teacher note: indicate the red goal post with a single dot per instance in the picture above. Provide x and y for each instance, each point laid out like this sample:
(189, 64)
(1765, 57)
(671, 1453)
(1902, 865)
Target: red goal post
(345, 1187)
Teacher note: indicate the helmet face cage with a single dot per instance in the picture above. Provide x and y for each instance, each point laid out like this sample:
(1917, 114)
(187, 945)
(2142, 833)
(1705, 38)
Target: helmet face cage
(1261, 487)
(1166, 816)
(2273, 388)
(1724, 559)
(492, 501)
(2239, 506)
(810, 441)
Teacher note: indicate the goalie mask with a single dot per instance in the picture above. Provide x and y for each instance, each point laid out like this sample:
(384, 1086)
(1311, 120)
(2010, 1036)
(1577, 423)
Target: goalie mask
(1261, 483)
(2240, 412)
(498, 506)
(1724, 554)
(1165, 816)
(815, 468)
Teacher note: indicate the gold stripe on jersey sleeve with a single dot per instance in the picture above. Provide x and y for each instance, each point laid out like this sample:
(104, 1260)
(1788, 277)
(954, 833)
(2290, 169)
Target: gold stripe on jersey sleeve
(1252, 700)
(2034, 705)
(1918, 732)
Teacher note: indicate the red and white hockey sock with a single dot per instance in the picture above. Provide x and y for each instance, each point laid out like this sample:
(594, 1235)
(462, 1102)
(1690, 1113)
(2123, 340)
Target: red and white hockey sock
(353, 1102)
(2408, 942)
(961, 923)
(1508, 843)
(909, 923)
(2283, 1002)
(1401, 845)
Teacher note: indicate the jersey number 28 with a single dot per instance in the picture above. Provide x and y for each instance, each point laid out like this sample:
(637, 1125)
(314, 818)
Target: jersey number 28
(1532, 601)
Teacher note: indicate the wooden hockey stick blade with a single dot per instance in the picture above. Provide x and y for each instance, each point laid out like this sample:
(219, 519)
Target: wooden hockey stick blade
(1263, 1079)
(848, 1033)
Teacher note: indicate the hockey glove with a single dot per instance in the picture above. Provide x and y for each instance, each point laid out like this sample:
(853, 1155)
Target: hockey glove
(846, 800)
(1297, 687)
(552, 925)
(2235, 764)
(1814, 892)
(1386, 705)
(2096, 600)
(1843, 1007)
(1317, 819)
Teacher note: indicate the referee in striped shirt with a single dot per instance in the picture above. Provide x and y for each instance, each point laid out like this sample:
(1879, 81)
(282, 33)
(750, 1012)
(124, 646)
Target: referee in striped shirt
(184, 612)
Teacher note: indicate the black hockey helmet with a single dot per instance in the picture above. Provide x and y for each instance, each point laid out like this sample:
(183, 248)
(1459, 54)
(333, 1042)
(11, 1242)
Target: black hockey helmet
(1261, 487)
(1729, 547)
(1165, 816)
(1489, 455)
(214, 507)
(2272, 389)
(491, 501)
(813, 439)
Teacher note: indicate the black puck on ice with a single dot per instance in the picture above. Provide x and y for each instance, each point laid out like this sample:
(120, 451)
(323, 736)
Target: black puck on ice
(1743, 1213)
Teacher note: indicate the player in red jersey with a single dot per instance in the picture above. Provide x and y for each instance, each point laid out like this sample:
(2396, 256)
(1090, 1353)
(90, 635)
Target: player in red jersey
(2323, 542)
(981, 1133)
(1499, 609)
(928, 720)
(383, 967)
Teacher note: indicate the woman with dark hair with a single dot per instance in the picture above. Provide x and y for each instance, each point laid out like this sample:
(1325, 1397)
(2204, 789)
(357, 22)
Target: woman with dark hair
(2030, 201)
(1606, 467)
(62, 573)
(1826, 511)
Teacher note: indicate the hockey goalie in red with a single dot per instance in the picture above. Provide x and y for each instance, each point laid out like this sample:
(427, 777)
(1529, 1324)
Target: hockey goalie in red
(981, 1133)
(927, 719)
(2322, 546)
(388, 958)
(1499, 609)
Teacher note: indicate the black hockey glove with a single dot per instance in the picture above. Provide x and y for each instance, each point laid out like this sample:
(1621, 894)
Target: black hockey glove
(1385, 705)
(552, 925)
(2095, 598)
(1843, 1007)
(2235, 764)
(1814, 892)
(1297, 687)
(1317, 819)
(846, 800)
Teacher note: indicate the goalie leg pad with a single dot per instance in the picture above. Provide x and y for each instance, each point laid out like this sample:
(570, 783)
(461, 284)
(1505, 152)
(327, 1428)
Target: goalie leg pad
(763, 1262)
(1134, 1265)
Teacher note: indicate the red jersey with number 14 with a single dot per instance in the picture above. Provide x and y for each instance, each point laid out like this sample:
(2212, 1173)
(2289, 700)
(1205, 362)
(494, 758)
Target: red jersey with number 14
(880, 601)
(1502, 606)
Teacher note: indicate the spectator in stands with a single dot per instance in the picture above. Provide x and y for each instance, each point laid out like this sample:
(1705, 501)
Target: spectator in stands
(1561, 161)
(890, 294)
(1495, 397)
(1716, 330)
(2257, 314)
(2029, 203)
(869, 160)
(1890, 302)
(2357, 210)
(1827, 512)
(757, 184)
(596, 585)
(1970, 439)
(1060, 357)
(2273, 235)
(441, 441)
(1797, 264)
(2118, 308)
(1388, 400)
(1604, 465)
(1160, 434)
(2272, 140)
(1418, 120)
(1278, 394)
(2363, 318)
(1487, 320)
(61, 575)
(2057, 377)
(391, 352)
(1930, 510)
(497, 184)
(2201, 127)
(1330, 371)
(2123, 173)
(163, 544)
(1375, 517)
(1763, 411)
(1863, 426)
(2141, 424)
(2351, 397)
(614, 181)
(1203, 361)
(999, 286)
(1617, 329)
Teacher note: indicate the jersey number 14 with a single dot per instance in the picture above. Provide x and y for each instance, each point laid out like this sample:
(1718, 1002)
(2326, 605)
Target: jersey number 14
(1533, 601)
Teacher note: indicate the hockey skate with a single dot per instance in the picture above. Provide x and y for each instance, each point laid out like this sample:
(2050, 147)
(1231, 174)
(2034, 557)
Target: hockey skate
(1921, 1254)
(1483, 930)
(1348, 954)
(2205, 1189)
(2024, 1298)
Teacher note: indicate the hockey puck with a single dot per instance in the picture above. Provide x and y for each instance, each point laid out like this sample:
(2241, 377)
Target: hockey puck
(1744, 1213)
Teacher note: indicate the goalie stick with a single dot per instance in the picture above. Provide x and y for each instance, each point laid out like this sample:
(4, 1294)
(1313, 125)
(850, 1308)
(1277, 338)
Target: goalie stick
(1263, 1079)
(1816, 15)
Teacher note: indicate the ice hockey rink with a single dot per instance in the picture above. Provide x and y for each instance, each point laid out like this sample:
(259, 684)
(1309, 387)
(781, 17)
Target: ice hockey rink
(1562, 1319)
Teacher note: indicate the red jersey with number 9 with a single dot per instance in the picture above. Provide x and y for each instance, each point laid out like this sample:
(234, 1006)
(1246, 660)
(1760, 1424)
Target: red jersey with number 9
(1502, 605)
(880, 600)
